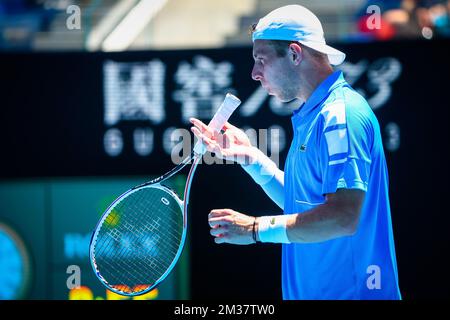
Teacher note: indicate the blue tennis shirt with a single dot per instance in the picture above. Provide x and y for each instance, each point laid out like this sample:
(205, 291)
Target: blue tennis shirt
(337, 144)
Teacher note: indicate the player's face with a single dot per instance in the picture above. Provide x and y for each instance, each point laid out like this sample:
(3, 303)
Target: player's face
(273, 72)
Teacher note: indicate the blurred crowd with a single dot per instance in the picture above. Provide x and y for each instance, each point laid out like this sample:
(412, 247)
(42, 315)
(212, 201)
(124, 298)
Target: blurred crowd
(21, 21)
(19, 6)
(406, 19)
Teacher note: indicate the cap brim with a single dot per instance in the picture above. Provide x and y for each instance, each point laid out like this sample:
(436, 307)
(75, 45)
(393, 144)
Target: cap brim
(335, 56)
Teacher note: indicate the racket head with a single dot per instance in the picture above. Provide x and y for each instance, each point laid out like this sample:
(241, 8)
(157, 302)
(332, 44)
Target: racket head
(139, 239)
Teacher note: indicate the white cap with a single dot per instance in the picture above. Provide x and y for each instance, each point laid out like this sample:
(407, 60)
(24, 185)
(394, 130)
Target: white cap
(296, 23)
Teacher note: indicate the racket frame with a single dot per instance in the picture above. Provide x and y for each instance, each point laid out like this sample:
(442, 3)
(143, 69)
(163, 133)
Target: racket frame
(220, 117)
(183, 204)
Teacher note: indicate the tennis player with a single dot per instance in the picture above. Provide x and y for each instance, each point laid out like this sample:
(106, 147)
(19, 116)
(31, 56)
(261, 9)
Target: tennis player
(336, 228)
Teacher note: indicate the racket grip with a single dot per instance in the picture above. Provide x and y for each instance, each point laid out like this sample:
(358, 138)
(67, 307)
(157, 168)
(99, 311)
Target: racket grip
(226, 109)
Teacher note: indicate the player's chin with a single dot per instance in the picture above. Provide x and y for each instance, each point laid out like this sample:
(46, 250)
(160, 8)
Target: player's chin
(271, 93)
(276, 94)
(279, 96)
(284, 98)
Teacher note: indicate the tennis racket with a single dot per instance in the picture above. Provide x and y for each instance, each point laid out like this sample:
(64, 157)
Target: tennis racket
(140, 236)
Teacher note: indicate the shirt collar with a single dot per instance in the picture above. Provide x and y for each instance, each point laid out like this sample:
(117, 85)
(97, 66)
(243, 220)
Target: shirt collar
(321, 92)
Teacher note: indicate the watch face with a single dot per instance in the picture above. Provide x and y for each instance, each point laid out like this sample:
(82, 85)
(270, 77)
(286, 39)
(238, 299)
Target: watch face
(14, 265)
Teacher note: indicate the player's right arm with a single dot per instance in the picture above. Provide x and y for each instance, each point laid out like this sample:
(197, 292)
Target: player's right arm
(233, 144)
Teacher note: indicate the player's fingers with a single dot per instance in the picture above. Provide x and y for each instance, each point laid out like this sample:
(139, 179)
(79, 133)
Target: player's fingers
(223, 140)
(204, 138)
(197, 133)
(206, 132)
(202, 127)
(220, 221)
(221, 239)
(220, 212)
(228, 125)
(218, 231)
(211, 145)
(200, 136)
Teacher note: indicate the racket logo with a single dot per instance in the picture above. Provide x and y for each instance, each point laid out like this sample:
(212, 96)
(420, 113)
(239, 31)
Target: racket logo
(165, 201)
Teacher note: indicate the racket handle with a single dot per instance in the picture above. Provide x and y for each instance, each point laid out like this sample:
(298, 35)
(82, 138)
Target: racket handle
(229, 104)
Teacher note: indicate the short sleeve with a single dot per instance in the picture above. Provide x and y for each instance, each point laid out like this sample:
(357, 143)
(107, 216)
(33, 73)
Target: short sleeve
(345, 148)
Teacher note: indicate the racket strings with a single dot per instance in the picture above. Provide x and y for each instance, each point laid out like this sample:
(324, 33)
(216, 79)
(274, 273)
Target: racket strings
(144, 262)
(139, 233)
(139, 239)
(135, 277)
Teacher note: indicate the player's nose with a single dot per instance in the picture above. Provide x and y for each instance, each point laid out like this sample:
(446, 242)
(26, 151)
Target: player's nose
(256, 73)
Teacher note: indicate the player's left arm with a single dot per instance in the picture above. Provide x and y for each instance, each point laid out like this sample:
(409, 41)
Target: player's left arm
(337, 217)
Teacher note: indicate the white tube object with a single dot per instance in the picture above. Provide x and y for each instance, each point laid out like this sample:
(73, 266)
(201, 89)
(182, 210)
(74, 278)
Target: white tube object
(229, 104)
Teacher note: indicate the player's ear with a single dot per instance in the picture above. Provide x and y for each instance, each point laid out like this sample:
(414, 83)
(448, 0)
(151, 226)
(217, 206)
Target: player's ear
(295, 53)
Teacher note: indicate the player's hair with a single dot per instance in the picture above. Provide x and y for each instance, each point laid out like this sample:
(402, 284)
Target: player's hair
(281, 46)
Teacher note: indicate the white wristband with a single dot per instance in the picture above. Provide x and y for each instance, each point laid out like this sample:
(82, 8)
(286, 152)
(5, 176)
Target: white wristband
(262, 170)
(273, 229)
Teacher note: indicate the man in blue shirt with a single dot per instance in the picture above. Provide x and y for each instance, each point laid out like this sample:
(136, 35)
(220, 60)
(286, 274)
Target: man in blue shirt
(336, 229)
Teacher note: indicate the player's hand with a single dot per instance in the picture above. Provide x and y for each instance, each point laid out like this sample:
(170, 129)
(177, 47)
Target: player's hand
(229, 226)
(232, 144)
